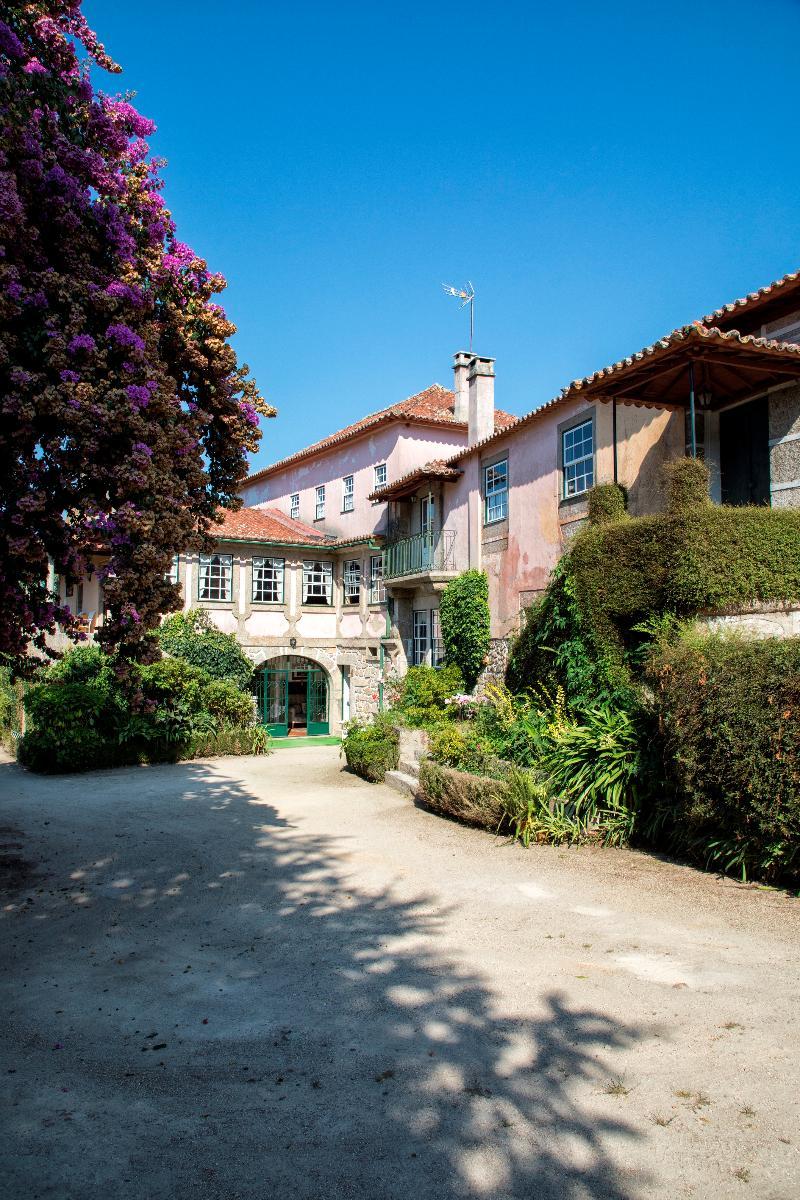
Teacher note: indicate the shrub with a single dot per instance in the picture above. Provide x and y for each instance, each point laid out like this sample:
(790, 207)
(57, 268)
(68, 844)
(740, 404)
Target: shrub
(687, 481)
(729, 715)
(10, 709)
(251, 739)
(533, 816)
(53, 752)
(474, 799)
(465, 619)
(371, 750)
(193, 637)
(607, 502)
(458, 744)
(422, 695)
(514, 726)
(227, 704)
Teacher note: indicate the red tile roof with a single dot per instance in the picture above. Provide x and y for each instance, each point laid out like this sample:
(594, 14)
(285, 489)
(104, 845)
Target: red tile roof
(434, 406)
(273, 526)
(436, 469)
(752, 300)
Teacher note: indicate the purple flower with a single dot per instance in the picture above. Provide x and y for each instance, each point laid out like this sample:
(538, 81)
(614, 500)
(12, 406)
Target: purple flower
(138, 395)
(249, 413)
(9, 42)
(14, 290)
(123, 291)
(123, 335)
(141, 448)
(83, 341)
(70, 376)
(34, 67)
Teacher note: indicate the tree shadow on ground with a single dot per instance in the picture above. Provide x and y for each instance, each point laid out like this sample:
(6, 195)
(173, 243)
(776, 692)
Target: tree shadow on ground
(265, 1026)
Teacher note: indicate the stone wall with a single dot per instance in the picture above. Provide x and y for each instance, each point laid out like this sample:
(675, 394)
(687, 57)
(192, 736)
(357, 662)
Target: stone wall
(757, 621)
(495, 669)
(784, 447)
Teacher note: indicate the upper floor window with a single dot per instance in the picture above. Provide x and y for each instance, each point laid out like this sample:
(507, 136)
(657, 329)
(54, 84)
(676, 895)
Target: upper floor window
(320, 509)
(172, 574)
(380, 475)
(215, 579)
(317, 582)
(347, 493)
(577, 448)
(352, 581)
(268, 580)
(294, 506)
(495, 492)
(377, 592)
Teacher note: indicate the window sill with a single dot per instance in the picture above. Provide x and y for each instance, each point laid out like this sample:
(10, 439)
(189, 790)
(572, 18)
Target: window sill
(269, 604)
(215, 603)
(497, 521)
(578, 498)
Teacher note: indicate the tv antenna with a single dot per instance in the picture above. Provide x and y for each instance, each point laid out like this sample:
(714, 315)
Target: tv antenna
(467, 297)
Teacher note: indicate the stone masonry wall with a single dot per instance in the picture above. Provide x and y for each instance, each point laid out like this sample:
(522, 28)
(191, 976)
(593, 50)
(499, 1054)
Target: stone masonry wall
(758, 621)
(495, 669)
(784, 447)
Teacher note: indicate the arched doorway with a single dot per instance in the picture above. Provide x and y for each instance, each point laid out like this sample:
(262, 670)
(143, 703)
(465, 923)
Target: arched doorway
(293, 697)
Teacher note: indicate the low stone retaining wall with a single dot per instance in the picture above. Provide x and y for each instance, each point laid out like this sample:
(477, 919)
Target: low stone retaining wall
(758, 620)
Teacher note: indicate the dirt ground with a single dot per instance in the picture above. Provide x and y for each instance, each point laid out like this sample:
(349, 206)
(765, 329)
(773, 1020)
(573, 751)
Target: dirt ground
(247, 978)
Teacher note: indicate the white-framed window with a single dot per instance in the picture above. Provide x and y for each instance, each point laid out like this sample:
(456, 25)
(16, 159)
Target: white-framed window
(352, 581)
(495, 491)
(377, 592)
(320, 506)
(577, 448)
(437, 644)
(215, 577)
(347, 493)
(294, 506)
(268, 580)
(172, 574)
(420, 645)
(380, 475)
(317, 582)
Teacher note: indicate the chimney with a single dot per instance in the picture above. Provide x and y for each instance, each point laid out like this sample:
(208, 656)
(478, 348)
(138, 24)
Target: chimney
(481, 399)
(461, 361)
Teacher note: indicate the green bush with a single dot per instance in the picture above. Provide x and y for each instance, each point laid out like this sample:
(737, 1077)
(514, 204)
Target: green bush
(514, 726)
(474, 799)
(371, 750)
(729, 714)
(465, 619)
(252, 739)
(458, 744)
(687, 481)
(227, 705)
(193, 637)
(607, 502)
(10, 709)
(422, 695)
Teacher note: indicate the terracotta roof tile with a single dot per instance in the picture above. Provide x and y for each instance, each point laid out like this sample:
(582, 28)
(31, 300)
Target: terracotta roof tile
(436, 469)
(434, 405)
(753, 299)
(272, 526)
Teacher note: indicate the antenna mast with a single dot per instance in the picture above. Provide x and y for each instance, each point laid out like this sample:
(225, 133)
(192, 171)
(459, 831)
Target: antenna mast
(467, 297)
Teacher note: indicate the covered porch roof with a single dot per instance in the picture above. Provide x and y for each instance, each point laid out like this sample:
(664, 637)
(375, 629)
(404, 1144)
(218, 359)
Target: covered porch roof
(690, 363)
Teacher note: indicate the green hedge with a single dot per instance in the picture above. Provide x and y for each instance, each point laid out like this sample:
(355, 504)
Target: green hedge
(372, 750)
(729, 713)
(474, 799)
(464, 614)
(420, 697)
(193, 637)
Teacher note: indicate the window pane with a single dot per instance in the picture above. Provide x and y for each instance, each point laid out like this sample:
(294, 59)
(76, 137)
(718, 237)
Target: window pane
(420, 645)
(268, 576)
(317, 582)
(376, 588)
(347, 493)
(320, 508)
(380, 475)
(496, 492)
(215, 577)
(294, 509)
(578, 456)
(352, 581)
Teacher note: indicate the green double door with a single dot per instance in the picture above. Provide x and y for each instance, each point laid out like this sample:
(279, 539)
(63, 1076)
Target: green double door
(294, 699)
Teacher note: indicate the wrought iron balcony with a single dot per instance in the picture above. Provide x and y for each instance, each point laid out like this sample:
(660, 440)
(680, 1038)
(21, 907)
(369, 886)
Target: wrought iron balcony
(426, 553)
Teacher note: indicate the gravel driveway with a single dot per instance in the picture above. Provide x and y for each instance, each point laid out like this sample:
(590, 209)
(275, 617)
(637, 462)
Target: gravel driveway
(249, 978)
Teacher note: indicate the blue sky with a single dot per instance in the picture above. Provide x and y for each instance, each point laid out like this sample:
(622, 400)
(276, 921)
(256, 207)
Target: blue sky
(601, 172)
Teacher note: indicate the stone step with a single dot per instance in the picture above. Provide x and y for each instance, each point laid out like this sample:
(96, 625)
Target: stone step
(400, 781)
(409, 767)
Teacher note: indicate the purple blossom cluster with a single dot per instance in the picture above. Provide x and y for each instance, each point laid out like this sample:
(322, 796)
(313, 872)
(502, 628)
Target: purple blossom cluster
(82, 341)
(125, 338)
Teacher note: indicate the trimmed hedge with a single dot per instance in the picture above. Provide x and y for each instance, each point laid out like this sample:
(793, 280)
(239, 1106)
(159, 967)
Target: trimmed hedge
(372, 750)
(474, 799)
(729, 713)
(466, 620)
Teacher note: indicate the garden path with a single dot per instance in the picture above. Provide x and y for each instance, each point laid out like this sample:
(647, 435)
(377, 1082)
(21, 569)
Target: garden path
(249, 978)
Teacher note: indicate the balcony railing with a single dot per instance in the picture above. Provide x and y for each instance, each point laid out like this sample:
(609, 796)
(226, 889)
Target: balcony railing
(419, 554)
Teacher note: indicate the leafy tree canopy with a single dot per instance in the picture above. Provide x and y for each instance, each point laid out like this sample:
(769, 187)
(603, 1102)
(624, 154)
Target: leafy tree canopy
(125, 419)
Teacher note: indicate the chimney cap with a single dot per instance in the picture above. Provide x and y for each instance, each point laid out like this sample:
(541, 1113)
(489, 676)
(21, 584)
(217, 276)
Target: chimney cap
(462, 358)
(480, 366)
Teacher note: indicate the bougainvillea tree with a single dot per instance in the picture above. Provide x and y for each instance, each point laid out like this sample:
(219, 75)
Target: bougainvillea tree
(125, 419)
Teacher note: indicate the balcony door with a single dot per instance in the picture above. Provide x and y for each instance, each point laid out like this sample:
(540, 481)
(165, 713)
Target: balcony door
(426, 519)
(419, 650)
